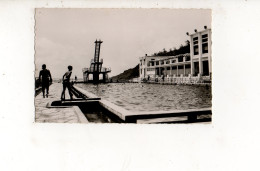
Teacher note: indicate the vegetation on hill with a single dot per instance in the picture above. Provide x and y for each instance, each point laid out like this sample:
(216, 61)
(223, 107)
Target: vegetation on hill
(172, 52)
(127, 74)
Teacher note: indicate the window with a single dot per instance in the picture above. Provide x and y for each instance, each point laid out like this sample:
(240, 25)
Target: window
(205, 67)
(173, 61)
(162, 62)
(157, 62)
(205, 43)
(187, 66)
(168, 68)
(187, 58)
(180, 67)
(205, 48)
(195, 46)
(168, 62)
(196, 50)
(204, 37)
(195, 40)
(180, 59)
(174, 67)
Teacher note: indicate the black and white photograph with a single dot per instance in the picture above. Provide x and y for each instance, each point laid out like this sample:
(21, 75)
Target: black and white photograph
(143, 66)
(169, 85)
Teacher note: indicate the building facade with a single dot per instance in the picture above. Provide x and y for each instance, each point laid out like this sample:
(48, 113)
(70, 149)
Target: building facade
(195, 63)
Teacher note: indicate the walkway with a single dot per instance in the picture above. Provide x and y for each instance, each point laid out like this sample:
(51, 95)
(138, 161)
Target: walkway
(47, 113)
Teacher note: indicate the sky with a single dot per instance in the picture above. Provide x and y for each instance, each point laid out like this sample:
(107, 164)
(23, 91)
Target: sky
(66, 36)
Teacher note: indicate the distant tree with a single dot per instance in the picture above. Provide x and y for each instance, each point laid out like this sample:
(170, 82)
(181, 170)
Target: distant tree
(187, 42)
(164, 50)
(181, 50)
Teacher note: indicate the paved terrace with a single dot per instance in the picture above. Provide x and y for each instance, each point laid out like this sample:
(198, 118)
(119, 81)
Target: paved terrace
(56, 114)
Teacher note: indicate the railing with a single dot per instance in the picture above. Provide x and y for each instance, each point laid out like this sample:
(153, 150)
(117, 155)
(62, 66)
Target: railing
(103, 69)
(135, 80)
(179, 80)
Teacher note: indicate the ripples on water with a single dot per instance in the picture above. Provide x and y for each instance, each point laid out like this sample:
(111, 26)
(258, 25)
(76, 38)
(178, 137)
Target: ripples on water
(152, 97)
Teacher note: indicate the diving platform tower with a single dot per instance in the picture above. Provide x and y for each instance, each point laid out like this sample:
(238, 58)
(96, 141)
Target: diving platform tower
(96, 67)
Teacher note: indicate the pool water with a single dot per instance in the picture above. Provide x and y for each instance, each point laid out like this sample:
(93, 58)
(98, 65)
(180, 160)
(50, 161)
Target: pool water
(152, 97)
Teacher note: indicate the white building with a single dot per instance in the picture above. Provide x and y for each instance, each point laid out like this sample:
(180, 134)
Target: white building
(200, 52)
(195, 63)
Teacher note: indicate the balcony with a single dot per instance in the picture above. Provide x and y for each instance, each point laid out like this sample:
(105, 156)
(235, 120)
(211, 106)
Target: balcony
(105, 69)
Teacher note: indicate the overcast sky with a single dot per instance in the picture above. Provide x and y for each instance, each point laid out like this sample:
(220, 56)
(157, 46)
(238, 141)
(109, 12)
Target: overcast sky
(66, 36)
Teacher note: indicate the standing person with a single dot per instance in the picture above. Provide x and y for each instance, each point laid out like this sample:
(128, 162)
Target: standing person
(45, 79)
(66, 83)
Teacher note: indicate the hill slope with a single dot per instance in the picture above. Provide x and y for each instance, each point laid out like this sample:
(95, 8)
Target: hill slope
(175, 51)
(127, 74)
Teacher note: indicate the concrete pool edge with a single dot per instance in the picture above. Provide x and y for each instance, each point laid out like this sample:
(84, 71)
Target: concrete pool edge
(88, 94)
(80, 115)
(117, 110)
(202, 110)
(192, 115)
(132, 116)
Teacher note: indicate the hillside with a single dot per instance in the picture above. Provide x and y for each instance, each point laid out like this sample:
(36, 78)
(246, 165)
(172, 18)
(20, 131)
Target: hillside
(127, 74)
(175, 51)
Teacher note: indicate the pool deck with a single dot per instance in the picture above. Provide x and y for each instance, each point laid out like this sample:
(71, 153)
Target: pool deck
(45, 113)
(56, 114)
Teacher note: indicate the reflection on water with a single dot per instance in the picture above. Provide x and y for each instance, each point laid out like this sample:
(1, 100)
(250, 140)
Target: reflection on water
(152, 97)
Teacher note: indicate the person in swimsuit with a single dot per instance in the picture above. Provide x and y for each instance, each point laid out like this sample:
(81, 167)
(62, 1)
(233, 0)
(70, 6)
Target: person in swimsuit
(45, 79)
(66, 83)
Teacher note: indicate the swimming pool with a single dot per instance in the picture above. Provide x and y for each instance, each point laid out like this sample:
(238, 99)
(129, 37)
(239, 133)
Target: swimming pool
(152, 97)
